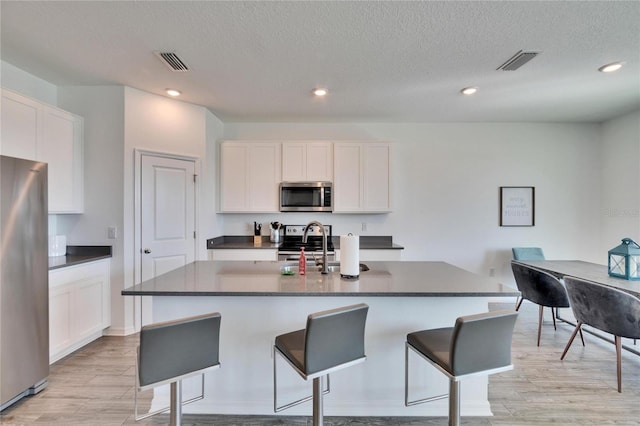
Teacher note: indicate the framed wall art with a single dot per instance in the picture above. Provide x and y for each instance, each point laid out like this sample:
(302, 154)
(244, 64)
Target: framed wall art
(517, 206)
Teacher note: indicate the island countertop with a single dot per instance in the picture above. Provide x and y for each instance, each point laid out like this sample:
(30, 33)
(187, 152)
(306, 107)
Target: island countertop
(384, 279)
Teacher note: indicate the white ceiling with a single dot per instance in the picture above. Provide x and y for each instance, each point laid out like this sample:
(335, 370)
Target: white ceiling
(381, 61)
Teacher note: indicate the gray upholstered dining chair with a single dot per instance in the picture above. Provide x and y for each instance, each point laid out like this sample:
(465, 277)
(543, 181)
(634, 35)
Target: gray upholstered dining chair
(607, 309)
(526, 253)
(332, 340)
(175, 350)
(540, 288)
(477, 345)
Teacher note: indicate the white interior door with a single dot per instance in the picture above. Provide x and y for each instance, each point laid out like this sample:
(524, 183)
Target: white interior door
(167, 214)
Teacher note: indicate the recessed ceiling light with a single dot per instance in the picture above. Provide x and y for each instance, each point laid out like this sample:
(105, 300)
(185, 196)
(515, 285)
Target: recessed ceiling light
(319, 91)
(468, 91)
(173, 92)
(614, 66)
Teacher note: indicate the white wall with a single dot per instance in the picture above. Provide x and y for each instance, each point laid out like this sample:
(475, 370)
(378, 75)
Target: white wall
(446, 181)
(621, 180)
(27, 84)
(212, 221)
(103, 110)
(159, 124)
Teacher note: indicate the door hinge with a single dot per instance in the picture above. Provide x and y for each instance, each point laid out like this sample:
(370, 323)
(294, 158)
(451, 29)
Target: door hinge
(194, 178)
(194, 234)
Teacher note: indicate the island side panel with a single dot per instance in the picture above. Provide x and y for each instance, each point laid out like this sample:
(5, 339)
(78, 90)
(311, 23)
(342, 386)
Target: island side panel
(244, 383)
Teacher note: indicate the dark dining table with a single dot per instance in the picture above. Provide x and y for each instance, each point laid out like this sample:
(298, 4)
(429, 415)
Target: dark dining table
(585, 270)
(591, 272)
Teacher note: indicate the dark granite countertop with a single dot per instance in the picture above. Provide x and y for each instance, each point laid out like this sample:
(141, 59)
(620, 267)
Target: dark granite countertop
(383, 279)
(80, 254)
(246, 242)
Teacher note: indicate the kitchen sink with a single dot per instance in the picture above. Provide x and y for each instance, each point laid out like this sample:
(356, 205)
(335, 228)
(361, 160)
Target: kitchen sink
(292, 268)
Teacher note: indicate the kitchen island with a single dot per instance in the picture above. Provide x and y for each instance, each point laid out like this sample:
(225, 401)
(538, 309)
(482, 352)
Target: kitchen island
(258, 303)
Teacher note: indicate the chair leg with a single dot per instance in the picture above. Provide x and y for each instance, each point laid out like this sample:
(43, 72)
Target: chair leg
(539, 323)
(175, 410)
(573, 336)
(581, 337)
(553, 315)
(454, 402)
(618, 340)
(518, 303)
(317, 401)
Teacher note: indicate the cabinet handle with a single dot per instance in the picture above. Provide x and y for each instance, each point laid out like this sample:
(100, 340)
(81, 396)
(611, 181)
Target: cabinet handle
(147, 251)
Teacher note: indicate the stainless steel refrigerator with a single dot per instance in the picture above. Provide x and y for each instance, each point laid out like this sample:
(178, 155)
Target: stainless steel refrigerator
(24, 279)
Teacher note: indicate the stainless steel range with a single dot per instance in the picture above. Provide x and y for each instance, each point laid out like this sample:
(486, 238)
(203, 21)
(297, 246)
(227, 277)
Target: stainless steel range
(292, 243)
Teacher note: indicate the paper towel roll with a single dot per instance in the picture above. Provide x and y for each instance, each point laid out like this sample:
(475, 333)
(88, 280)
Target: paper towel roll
(57, 245)
(350, 256)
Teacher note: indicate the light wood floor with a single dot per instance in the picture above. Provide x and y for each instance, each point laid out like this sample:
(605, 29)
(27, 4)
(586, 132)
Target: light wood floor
(94, 386)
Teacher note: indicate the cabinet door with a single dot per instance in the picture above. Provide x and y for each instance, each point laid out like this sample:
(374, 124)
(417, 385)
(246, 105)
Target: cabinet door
(21, 123)
(263, 177)
(376, 180)
(307, 161)
(60, 318)
(61, 147)
(233, 177)
(294, 161)
(362, 177)
(89, 307)
(250, 174)
(320, 161)
(347, 181)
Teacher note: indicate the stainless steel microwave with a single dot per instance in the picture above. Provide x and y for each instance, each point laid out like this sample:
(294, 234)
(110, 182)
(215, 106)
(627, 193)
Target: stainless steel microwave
(306, 197)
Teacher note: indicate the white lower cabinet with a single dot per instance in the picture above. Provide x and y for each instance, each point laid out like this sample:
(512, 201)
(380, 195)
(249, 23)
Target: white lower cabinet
(377, 255)
(244, 254)
(79, 306)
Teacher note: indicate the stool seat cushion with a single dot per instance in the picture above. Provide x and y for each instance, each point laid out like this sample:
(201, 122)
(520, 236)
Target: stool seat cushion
(292, 346)
(434, 344)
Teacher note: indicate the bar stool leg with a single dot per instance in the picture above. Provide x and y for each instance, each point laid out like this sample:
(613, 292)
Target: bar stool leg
(454, 402)
(317, 401)
(175, 410)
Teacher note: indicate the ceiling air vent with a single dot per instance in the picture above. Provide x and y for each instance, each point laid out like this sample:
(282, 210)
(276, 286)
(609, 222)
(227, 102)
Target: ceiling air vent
(172, 61)
(518, 60)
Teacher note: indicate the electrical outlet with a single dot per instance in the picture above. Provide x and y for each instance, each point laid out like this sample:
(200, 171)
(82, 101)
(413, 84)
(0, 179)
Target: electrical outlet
(112, 232)
(364, 226)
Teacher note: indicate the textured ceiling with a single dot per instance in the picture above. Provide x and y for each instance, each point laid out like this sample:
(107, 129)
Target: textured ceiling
(381, 61)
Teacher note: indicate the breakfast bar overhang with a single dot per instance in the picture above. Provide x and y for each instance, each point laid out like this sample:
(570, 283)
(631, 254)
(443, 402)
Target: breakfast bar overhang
(258, 302)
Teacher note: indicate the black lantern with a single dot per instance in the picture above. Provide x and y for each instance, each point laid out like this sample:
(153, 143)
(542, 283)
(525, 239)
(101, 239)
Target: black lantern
(624, 260)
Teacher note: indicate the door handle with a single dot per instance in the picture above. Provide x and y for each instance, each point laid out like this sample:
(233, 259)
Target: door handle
(147, 251)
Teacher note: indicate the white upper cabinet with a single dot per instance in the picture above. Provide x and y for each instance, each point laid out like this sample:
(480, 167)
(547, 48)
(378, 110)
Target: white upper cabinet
(62, 148)
(21, 125)
(362, 177)
(308, 161)
(37, 131)
(249, 177)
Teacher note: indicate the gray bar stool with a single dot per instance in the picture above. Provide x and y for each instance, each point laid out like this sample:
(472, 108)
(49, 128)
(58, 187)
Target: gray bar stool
(333, 340)
(175, 350)
(477, 345)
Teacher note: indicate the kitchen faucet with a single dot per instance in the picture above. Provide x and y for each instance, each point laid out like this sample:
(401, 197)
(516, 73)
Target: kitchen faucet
(324, 243)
